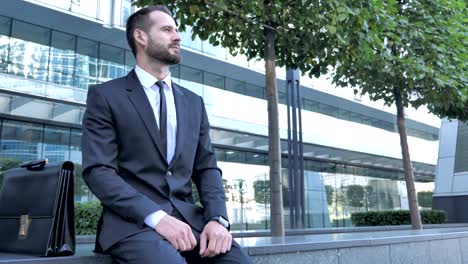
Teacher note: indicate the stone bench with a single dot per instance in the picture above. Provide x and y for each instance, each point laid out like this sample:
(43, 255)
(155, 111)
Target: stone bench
(428, 246)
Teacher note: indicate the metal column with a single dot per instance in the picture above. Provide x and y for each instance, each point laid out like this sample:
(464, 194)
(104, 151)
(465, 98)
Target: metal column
(295, 150)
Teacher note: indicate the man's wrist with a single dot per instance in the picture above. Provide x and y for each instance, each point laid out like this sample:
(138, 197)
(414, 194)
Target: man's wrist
(221, 220)
(153, 219)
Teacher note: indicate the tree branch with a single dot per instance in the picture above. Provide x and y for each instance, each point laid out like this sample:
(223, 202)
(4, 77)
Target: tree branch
(239, 16)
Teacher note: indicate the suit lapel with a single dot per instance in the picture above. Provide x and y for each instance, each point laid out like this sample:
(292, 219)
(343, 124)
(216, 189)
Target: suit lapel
(140, 101)
(181, 112)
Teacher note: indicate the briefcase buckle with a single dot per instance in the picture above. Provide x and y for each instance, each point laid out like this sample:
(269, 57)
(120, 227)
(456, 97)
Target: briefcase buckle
(25, 222)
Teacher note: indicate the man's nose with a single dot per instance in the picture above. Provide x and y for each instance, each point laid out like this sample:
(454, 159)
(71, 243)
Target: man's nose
(177, 37)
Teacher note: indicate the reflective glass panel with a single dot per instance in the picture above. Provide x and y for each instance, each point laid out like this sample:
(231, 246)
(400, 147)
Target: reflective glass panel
(56, 145)
(111, 63)
(21, 141)
(235, 86)
(213, 80)
(4, 42)
(62, 58)
(125, 12)
(29, 51)
(86, 63)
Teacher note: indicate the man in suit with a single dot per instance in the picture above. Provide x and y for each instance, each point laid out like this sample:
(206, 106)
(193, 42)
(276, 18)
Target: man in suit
(145, 139)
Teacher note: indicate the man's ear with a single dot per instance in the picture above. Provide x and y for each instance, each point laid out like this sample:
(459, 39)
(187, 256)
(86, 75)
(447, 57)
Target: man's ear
(141, 38)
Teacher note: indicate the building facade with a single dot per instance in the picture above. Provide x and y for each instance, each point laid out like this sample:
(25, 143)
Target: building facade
(451, 184)
(52, 51)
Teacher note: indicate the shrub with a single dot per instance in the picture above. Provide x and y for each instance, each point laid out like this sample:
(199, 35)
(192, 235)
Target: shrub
(86, 217)
(399, 217)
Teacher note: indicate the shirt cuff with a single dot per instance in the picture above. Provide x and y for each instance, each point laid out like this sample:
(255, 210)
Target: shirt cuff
(153, 219)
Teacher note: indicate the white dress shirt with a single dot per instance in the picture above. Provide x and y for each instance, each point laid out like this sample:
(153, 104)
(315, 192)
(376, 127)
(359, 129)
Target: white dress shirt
(148, 82)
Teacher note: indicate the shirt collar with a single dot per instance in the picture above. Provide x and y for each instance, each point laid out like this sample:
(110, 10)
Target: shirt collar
(148, 80)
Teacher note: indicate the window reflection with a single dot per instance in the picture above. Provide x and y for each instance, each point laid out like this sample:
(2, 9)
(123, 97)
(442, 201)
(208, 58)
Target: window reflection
(62, 58)
(21, 141)
(111, 63)
(29, 51)
(86, 63)
(56, 144)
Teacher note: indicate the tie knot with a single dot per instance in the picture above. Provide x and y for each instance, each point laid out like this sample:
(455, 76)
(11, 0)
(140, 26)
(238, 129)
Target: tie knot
(160, 84)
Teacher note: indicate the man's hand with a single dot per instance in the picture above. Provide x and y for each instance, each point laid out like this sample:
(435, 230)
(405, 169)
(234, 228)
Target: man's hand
(178, 233)
(214, 239)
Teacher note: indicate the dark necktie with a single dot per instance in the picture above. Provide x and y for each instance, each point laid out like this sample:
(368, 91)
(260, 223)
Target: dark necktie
(162, 117)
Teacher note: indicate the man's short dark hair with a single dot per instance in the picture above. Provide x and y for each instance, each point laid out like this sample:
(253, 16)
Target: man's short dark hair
(140, 20)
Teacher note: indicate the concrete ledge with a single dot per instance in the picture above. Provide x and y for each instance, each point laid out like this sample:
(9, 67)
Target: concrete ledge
(429, 246)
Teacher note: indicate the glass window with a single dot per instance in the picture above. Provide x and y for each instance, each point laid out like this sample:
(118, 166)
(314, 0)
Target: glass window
(56, 145)
(111, 63)
(282, 97)
(5, 23)
(343, 114)
(29, 32)
(255, 91)
(310, 105)
(129, 61)
(235, 86)
(86, 63)
(355, 117)
(21, 141)
(29, 51)
(235, 156)
(328, 110)
(4, 42)
(62, 58)
(126, 11)
(255, 158)
(190, 74)
(461, 154)
(175, 70)
(213, 80)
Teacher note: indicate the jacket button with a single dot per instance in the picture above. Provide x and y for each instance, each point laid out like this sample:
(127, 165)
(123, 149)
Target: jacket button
(168, 173)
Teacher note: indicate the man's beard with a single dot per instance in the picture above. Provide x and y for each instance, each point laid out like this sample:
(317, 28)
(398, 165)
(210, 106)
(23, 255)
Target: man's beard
(161, 53)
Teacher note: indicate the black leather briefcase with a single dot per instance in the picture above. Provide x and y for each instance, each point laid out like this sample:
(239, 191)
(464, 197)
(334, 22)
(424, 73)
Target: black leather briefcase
(36, 209)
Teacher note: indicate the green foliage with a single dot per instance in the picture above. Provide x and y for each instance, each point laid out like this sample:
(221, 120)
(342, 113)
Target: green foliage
(399, 217)
(355, 195)
(86, 217)
(262, 191)
(425, 199)
(308, 33)
(420, 51)
(330, 192)
(6, 164)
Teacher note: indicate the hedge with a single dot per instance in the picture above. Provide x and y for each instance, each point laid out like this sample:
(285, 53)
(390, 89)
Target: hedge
(86, 217)
(399, 217)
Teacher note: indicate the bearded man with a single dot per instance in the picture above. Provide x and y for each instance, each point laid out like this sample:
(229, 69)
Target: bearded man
(145, 139)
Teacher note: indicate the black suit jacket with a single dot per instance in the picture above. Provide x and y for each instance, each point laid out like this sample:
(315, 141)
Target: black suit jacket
(124, 166)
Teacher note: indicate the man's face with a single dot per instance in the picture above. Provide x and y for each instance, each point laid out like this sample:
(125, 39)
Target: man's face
(163, 39)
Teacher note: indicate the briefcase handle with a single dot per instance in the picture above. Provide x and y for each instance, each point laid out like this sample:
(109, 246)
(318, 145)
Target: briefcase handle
(34, 165)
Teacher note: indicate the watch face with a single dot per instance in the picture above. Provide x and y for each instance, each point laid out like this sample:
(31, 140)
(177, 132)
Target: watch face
(222, 221)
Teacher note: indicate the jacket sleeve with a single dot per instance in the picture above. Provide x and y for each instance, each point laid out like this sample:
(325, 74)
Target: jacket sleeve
(206, 174)
(100, 163)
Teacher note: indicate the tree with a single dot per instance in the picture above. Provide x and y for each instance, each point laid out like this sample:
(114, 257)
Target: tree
(355, 195)
(293, 34)
(262, 191)
(417, 57)
(330, 193)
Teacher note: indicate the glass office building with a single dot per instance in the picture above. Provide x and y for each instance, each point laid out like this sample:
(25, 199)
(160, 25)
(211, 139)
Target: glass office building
(52, 51)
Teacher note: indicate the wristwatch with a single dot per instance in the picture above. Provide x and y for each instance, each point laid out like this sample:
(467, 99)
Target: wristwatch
(221, 220)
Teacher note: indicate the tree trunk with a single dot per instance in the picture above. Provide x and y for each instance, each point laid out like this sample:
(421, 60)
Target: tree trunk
(274, 153)
(408, 169)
